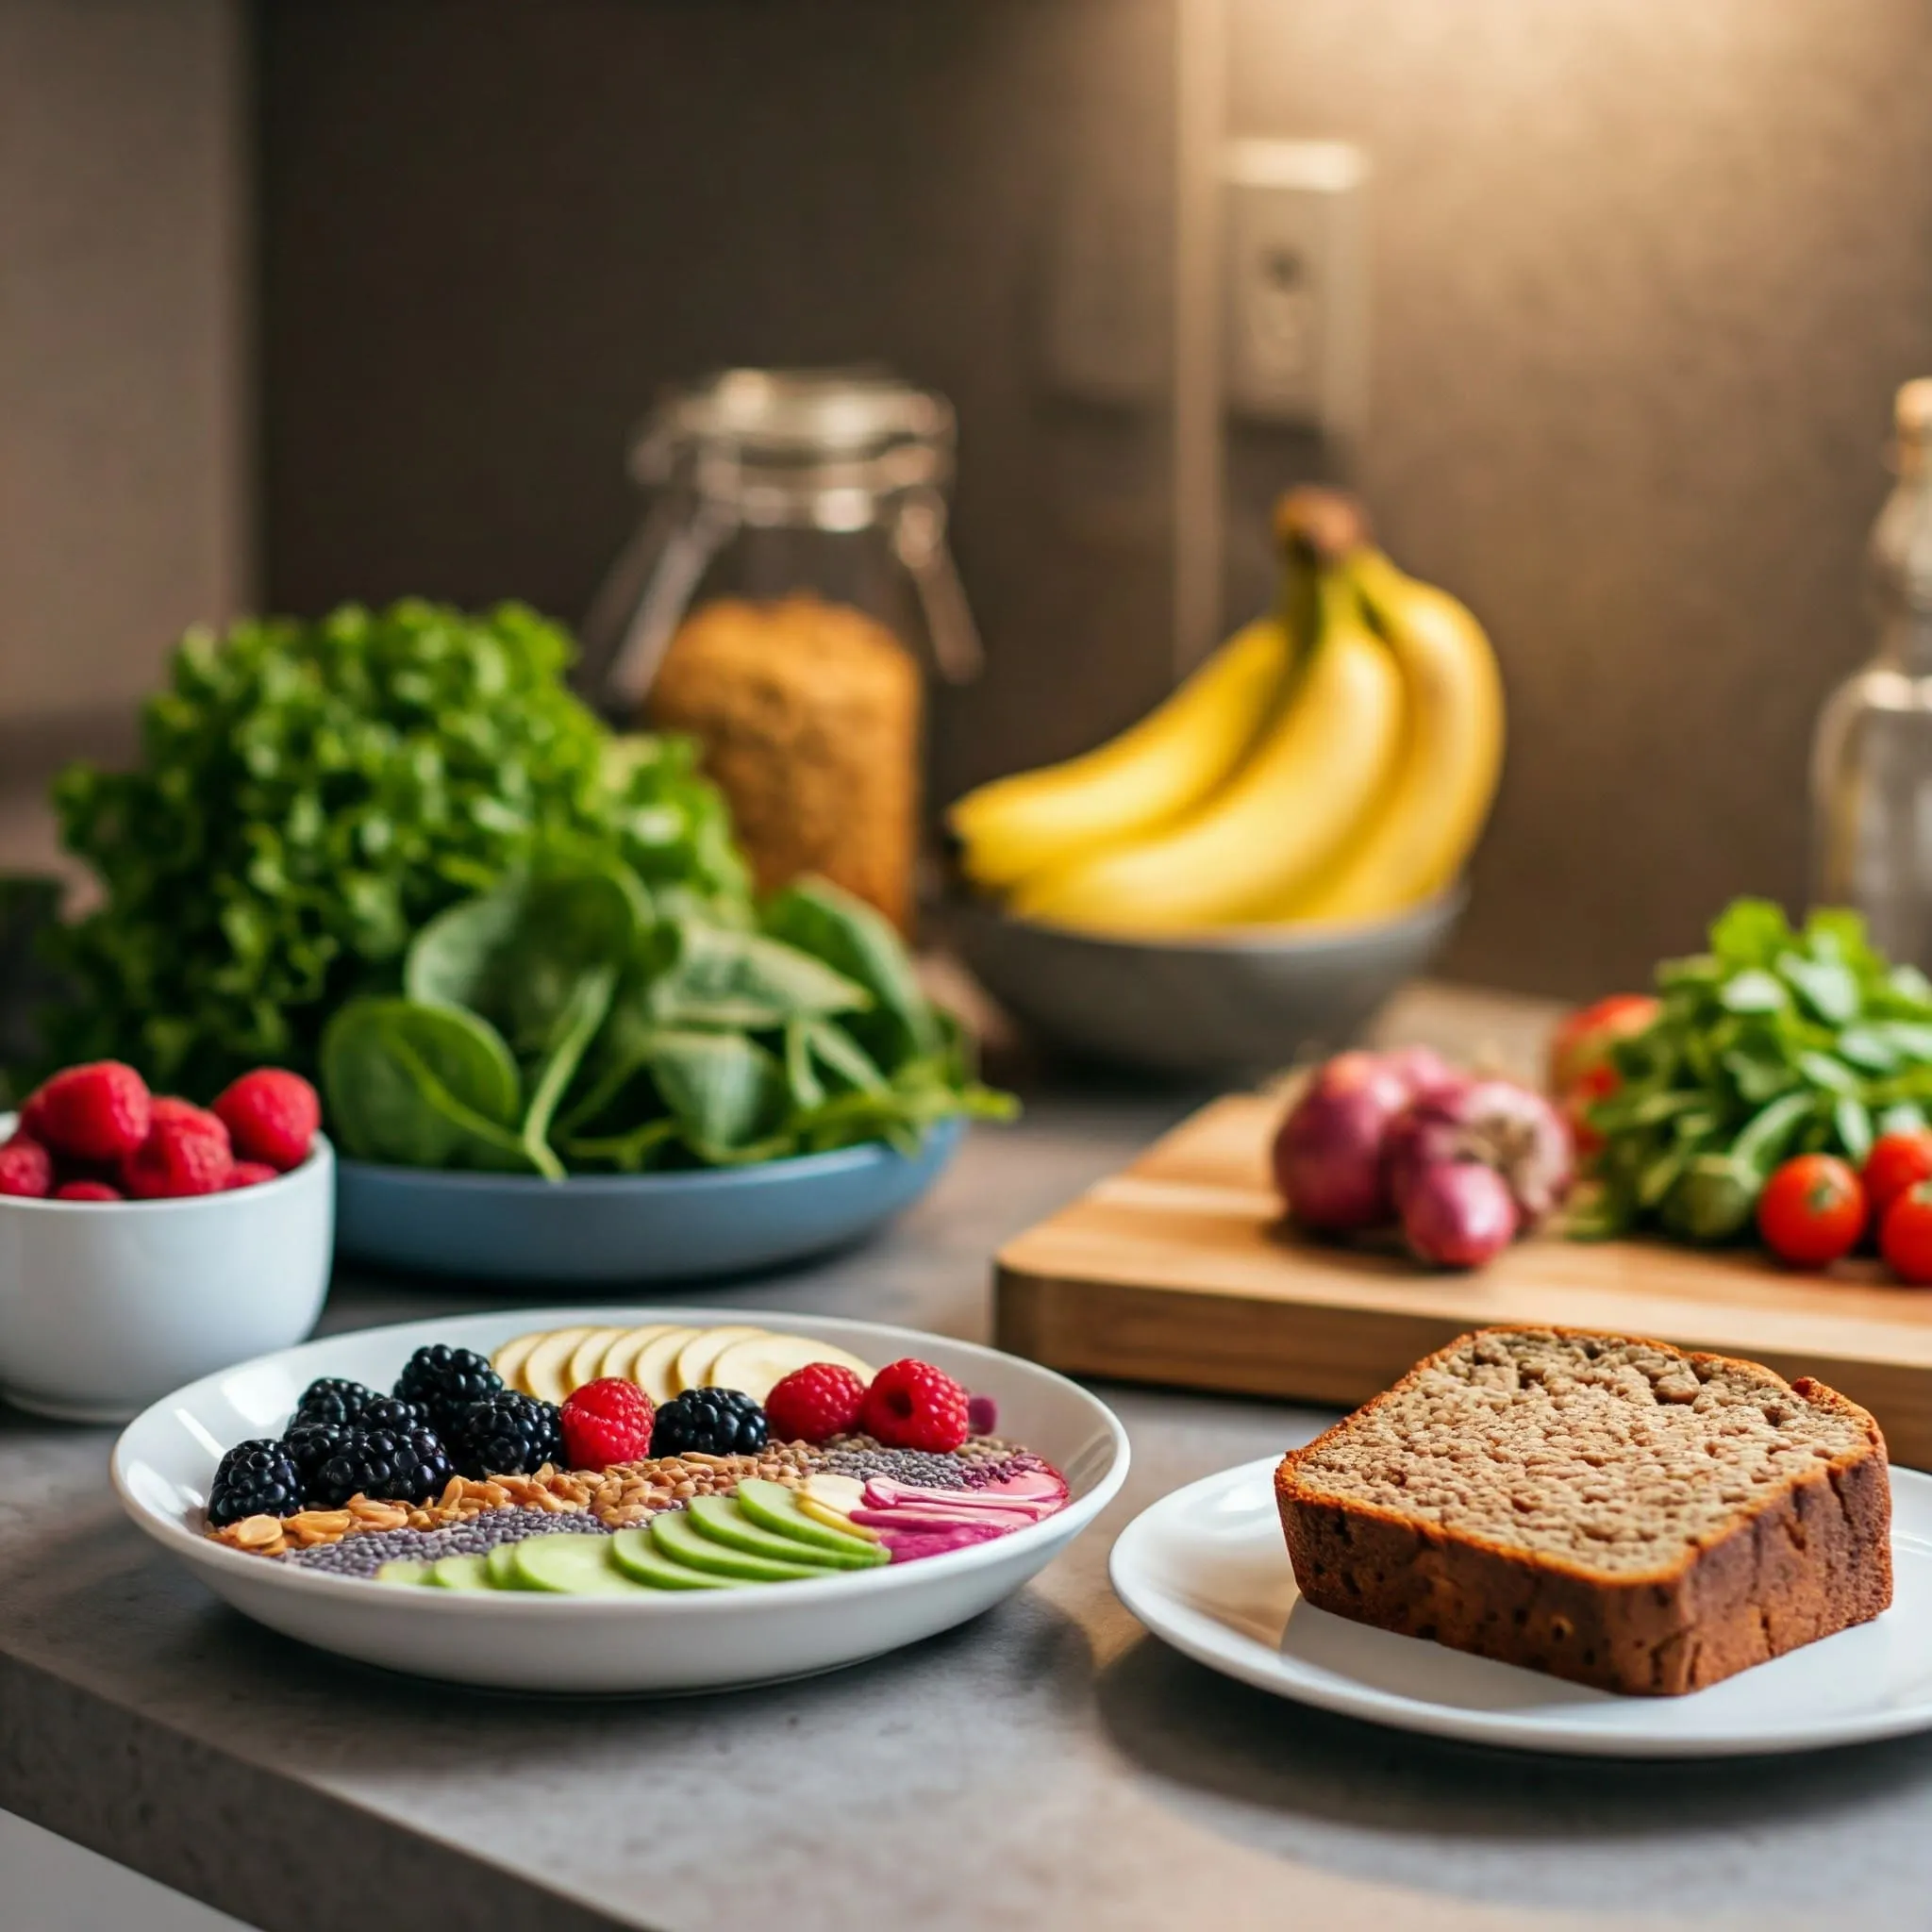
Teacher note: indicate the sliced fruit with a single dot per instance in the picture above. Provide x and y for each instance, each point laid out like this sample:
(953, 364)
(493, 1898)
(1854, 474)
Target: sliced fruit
(567, 1565)
(546, 1368)
(587, 1357)
(723, 1519)
(694, 1360)
(404, 1572)
(834, 1518)
(656, 1360)
(841, 1493)
(681, 1539)
(500, 1568)
(637, 1556)
(773, 1506)
(459, 1573)
(508, 1361)
(756, 1363)
(621, 1358)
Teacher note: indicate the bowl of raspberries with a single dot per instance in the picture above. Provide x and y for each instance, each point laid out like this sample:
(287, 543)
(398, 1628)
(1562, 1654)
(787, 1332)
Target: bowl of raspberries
(145, 1240)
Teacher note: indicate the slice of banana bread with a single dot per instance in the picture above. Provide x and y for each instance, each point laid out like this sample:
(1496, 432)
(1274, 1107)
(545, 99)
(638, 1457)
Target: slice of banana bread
(1610, 1510)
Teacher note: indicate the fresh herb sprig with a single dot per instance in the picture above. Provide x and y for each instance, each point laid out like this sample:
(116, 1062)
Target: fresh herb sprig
(1776, 1041)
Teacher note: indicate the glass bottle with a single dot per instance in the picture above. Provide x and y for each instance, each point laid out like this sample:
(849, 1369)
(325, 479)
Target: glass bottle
(779, 602)
(1872, 757)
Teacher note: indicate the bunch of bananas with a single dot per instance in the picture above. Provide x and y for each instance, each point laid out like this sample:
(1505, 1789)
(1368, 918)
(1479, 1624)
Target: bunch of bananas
(1332, 763)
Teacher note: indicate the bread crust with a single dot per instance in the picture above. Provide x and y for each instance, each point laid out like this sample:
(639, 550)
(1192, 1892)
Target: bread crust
(1813, 1557)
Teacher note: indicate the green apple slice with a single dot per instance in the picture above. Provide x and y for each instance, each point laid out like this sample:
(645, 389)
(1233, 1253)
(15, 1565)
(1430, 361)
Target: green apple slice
(459, 1573)
(637, 1556)
(721, 1519)
(500, 1568)
(681, 1539)
(772, 1505)
(404, 1573)
(569, 1565)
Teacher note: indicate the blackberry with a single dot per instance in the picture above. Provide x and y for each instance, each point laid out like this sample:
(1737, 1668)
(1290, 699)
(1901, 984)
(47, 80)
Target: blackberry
(255, 1478)
(713, 1422)
(331, 1399)
(311, 1444)
(389, 1412)
(392, 1466)
(507, 1434)
(445, 1381)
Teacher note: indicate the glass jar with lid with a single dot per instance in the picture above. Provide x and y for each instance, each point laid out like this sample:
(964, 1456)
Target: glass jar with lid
(1872, 758)
(789, 586)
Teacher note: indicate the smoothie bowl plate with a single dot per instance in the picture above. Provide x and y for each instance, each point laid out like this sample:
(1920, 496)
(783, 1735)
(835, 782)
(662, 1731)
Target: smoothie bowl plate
(647, 1642)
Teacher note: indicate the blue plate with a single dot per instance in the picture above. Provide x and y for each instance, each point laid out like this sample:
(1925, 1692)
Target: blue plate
(615, 1228)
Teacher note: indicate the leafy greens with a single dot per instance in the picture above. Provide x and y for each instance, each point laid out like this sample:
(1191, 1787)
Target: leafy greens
(569, 1020)
(310, 795)
(1774, 1043)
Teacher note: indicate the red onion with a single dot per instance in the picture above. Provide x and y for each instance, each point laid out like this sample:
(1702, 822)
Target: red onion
(1328, 1152)
(1458, 1214)
(1495, 1122)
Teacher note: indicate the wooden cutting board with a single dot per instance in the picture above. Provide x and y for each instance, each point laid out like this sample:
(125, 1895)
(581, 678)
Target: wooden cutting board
(1178, 1271)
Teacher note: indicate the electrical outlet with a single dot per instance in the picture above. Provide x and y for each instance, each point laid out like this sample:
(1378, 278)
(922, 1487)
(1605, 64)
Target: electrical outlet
(1295, 284)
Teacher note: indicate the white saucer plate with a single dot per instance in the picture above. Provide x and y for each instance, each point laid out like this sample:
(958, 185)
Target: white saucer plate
(708, 1640)
(1206, 1570)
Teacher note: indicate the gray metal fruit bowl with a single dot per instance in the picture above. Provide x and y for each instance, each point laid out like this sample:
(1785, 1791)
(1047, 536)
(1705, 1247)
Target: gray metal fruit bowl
(1233, 1003)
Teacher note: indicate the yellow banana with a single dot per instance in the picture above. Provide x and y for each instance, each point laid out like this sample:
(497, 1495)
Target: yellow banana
(1318, 767)
(1172, 759)
(1426, 824)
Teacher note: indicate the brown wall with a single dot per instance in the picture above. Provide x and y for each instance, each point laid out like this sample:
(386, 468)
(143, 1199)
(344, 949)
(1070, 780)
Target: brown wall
(493, 229)
(1645, 275)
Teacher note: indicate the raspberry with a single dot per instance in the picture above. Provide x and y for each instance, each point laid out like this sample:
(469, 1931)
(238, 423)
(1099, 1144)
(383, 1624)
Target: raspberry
(814, 1403)
(606, 1422)
(270, 1116)
(87, 1191)
(26, 1169)
(911, 1405)
(33, 1116)
(186, 1151)
(98, 1112)
(249, 1173)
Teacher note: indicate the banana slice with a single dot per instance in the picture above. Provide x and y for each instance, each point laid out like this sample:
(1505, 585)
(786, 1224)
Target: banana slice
(842, 1495)
(695, 1359)
(757, 1362)
(508, 1361)
(546, 1368)
(586, 1357)
(621, 1358)
(656, 1360)
(834, 1518)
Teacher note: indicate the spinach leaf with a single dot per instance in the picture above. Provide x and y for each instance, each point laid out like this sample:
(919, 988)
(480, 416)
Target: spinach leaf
(725, 1092)
(577, 1025)
(720, 978)
(421, 1086)
(850, 936)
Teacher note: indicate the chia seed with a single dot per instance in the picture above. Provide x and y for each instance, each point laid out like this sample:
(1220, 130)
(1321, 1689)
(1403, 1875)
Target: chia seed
(978, 1463)
(364, 1554)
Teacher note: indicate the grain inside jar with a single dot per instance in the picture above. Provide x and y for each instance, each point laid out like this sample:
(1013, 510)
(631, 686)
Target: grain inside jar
(808, 714)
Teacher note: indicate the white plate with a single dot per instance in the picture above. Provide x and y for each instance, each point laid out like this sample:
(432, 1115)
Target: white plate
(708, 1640)
(1206, 1570)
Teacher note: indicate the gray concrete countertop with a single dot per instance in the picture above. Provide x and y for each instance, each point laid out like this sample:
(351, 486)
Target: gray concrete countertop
(1049, 1765)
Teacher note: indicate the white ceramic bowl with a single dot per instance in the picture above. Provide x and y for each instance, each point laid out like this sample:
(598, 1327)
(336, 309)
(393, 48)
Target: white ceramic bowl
(523, 1642)
(105, 1305)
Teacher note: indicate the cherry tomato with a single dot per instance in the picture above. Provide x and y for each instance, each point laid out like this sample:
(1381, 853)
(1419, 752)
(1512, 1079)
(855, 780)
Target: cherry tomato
(1905, 1236)
(1812, 1211)
(1896, 1162)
